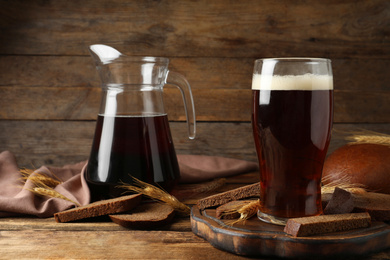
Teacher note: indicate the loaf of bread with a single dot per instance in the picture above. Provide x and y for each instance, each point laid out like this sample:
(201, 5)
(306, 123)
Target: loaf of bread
(99, 208)
(145, 216)
(366, 164)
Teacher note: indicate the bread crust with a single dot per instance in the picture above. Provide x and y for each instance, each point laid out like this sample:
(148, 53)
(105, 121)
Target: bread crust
(99, 208)
(145, 216)
(307, 226)
(252, 190)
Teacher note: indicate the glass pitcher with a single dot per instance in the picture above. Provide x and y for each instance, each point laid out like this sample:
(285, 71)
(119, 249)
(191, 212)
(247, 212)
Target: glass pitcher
(132, 135)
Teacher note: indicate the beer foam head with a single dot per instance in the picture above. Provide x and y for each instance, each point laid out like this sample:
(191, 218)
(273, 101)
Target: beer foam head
(292, 82)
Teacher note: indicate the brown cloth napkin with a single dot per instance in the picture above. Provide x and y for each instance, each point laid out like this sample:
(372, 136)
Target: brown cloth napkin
(199, 168)
(17, 200)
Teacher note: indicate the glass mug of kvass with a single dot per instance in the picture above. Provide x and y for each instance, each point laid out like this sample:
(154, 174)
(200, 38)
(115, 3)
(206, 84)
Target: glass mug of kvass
(132, 135)
(292, 115)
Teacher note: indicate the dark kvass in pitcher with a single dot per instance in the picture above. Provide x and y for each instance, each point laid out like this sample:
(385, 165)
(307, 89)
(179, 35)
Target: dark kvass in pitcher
(138, 146)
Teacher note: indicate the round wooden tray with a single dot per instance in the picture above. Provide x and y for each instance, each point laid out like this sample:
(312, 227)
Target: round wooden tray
(256, 238)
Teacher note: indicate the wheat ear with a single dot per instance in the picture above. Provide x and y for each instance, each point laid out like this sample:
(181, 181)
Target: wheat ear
(49, 192)
(39, 178)
(246, 212)
(366, 136)
(156, 194)
(43, 184)
(343, 183)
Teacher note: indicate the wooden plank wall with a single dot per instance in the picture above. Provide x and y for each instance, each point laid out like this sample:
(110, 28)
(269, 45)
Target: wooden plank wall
(50, 92)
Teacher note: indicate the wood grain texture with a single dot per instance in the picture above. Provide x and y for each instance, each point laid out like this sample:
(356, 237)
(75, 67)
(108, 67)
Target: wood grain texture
(257, 238)
(45, 239)
(199, 28)
(63, 88)
(201, 72)
(78, 103)
(37, 143)
(47, 75)
(35, 238)
(33, 244)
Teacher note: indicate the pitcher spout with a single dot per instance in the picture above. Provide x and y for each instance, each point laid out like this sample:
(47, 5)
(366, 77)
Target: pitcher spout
(103, 53)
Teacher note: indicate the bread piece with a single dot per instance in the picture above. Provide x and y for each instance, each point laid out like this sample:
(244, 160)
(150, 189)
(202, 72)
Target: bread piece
(341, 202)
(366, 164)
(99, 208)
(307, 226)
(227, 211)
(377, 204)
(247, 191)
(145, 216)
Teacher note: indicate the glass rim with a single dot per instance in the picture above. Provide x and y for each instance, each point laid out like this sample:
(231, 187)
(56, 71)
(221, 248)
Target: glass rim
(295, 59)
(150, 59)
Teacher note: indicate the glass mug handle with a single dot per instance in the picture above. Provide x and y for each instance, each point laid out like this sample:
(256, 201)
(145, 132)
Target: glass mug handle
(182, 84)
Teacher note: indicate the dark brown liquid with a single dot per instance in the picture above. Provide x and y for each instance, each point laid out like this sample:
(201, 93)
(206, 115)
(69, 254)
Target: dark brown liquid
(126, 146)
(292, 133)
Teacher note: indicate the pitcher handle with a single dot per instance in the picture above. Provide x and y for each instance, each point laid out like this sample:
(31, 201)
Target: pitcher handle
(180, 81)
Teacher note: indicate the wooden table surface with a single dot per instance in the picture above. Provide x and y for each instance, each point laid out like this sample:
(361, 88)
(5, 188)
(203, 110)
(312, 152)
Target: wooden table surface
(25, 238)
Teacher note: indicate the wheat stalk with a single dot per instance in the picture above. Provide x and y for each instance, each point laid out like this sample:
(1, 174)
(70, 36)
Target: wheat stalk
(366, 136)
(371, 139)
(39, 178)
(246, 211)
(50, 192)
(343, 182)
(156, 194)
(44, 184)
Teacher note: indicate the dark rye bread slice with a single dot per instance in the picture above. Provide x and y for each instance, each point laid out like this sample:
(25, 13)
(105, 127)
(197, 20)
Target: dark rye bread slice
(99, 208)
(307, 226)
(247, 191)
(377, 204)
(145, 216)
(341, 202)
